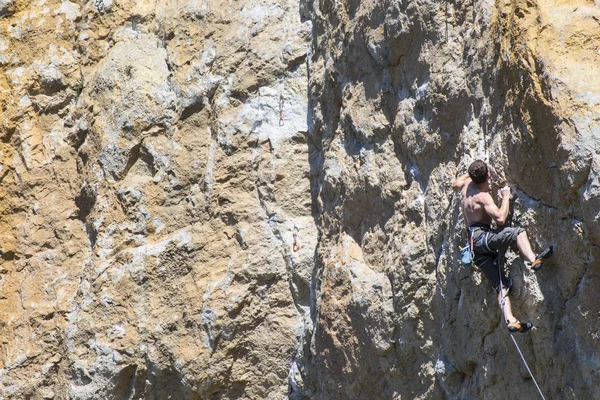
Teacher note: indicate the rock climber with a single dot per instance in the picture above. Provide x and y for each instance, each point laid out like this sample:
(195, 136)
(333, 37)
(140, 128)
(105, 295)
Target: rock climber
(479, 210)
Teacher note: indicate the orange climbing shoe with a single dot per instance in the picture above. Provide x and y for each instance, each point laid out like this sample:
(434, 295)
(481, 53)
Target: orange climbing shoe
(519, 326)
(544, 255)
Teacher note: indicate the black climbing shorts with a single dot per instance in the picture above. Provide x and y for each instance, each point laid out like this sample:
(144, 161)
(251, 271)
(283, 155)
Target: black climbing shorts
(487, 244)
(488, 263)
(496, 239)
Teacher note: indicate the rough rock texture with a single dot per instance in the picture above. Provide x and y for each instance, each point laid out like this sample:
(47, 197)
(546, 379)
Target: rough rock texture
(157, 229)
(404, 95)
(219, 199)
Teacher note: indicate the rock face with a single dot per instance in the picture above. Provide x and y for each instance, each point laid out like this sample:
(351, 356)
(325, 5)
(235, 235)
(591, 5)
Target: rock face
(404, 95)
(157, 227)
(220, 199)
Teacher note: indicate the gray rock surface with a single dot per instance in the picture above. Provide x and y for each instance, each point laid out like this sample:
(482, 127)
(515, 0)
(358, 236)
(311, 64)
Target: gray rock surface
(211, 199)
(403, 96)
(157, 229)
(6, 7)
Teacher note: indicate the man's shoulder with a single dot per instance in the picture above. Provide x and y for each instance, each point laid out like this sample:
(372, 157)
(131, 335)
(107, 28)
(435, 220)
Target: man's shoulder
(479, 196)
(484, 198)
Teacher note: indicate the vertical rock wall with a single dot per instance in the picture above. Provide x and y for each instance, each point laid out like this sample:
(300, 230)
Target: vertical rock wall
(157, 229)
(251, 199)
(404, 95)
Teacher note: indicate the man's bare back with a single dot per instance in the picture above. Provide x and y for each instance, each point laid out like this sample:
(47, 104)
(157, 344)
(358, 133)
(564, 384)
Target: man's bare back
(472, 200)
(478, 205)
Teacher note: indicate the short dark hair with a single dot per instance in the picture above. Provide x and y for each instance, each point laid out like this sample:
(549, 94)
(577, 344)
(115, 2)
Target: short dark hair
(478, 171)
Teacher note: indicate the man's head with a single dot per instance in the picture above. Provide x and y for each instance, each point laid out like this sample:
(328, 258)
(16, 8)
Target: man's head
(478, 171)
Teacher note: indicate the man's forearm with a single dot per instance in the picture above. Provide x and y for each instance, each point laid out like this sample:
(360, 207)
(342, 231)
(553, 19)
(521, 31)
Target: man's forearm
(504, 209)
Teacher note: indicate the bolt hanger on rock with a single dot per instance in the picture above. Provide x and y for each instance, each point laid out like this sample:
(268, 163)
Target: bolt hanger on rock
(281, 110)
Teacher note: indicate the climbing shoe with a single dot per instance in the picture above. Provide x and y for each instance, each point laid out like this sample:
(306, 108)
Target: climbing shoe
(539, 260)
(519, 326)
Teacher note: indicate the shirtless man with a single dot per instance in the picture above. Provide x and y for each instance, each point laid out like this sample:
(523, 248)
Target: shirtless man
(479, 210)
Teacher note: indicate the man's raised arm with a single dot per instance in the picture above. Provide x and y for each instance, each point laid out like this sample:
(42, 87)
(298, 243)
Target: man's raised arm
(460, 182)
(498, 214)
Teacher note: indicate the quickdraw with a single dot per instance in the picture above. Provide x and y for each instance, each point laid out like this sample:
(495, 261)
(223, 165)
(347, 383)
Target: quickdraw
(281, 110)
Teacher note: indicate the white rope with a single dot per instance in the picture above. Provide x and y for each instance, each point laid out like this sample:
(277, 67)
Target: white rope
(525, 362)
(502, 302)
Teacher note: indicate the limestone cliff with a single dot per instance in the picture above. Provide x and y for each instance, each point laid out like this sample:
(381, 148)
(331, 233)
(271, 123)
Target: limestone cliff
(404, 95)
(157, 229)
(221, 199)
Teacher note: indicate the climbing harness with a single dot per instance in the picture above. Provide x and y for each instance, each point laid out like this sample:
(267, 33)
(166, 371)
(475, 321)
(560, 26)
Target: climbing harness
(484, 240)
(281, 110)
(502, 302)
(467, 253)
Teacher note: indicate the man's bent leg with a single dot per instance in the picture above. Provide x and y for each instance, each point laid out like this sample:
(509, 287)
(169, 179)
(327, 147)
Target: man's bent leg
(525, 247)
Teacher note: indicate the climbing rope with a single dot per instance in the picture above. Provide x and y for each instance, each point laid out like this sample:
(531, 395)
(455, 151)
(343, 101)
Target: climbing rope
(502, 302)
(527, 366)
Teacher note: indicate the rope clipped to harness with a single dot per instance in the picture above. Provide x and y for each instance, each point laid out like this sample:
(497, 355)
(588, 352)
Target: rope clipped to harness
(502, 303)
